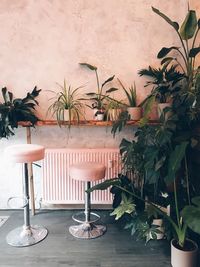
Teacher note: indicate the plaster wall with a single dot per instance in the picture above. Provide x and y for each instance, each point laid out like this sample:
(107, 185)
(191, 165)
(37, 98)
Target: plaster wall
(42, 42)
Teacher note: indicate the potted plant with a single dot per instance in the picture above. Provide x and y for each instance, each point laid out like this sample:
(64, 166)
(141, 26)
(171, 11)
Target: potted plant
(113, 108)
(165, 82)
(13, 110)
(134, 110)
(67, 106)
(99, 96)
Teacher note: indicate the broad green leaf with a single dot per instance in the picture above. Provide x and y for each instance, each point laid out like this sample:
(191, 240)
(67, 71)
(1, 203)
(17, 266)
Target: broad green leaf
(189, 25)
(191, 215)
(104, 185)
(108, 80)
(174, 24)
(166, 60)
(175, 161)
(165, 50)
(194, 51)
(126, 206)
(113, 89)
(91, 67)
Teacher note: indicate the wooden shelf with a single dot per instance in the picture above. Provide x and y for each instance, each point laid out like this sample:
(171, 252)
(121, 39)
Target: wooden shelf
(81, 123)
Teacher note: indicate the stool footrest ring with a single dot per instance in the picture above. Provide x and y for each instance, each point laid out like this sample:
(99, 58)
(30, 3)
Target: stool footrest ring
(94, 217)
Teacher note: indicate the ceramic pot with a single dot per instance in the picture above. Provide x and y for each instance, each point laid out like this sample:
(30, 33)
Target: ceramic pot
(161, 107)
(184, 258)
(135, 113)
(159, 223)
(66, 115)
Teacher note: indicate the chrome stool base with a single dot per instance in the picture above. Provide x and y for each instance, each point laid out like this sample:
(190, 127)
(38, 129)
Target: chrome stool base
(87, 230)
(26, 236)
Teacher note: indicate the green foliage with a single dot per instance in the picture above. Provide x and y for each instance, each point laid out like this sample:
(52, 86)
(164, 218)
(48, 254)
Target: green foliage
(99, 96)
(126, 206)
(13, 110)
(130, 94)
(67, 99)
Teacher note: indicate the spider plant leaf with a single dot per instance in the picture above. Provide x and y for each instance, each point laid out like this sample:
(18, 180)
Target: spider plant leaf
(91, 67)
(91, 94)
(194, 51)
(107, 81)
(189, 26)
(174, 24)
(165, 50)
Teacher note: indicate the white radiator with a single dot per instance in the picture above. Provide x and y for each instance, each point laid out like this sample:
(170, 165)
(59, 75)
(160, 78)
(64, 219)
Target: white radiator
(59, 188)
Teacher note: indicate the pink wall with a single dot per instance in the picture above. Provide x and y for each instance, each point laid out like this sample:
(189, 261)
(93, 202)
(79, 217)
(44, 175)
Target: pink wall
(41, 42)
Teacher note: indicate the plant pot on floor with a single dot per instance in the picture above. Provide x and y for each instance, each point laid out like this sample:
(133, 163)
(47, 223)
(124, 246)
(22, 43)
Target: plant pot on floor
(186, 257)
(135, 113)
(159, 224)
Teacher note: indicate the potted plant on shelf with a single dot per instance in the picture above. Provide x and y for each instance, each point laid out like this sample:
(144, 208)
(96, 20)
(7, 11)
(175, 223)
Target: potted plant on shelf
(13, 110)
(113, 108)
(99, 96)
(165, 82)
(67, 106)
(132, 108)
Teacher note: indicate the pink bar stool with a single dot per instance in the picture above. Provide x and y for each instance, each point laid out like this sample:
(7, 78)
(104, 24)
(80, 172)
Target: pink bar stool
(87, 172)
(27, 234)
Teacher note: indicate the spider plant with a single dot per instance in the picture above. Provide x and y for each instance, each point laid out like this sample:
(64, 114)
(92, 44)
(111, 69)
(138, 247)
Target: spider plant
(130, 94)
(67, 100)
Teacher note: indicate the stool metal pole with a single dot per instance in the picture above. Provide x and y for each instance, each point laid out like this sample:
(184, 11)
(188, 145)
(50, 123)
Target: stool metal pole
(26, 235)
(87, 202)
(26, 196)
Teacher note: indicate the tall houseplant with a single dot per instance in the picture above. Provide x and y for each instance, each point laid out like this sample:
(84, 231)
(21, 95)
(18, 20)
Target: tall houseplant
(98, 97)
(67, 106)
(13, 110)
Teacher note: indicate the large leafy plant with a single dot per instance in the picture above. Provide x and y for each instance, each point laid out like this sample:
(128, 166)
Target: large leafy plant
(13, 110)
(99, 96)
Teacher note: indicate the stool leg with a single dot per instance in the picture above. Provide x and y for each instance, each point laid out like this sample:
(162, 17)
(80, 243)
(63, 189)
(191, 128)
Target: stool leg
(26, 196)
(87, 202)
(87, 229)
(26, 235)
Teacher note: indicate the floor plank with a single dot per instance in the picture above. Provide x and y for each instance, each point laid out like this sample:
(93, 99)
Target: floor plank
(115, 249)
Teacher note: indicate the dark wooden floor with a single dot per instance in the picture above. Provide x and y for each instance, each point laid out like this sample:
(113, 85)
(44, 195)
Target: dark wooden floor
(115, 249)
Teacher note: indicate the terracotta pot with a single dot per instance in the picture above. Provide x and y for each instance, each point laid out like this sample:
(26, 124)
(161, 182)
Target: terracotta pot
(135, 113)
(184, 258)
(161, 107)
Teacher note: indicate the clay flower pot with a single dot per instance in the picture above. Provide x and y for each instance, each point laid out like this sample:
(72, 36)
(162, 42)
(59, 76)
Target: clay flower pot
(135, 113)
(159, 223)
(186, 257)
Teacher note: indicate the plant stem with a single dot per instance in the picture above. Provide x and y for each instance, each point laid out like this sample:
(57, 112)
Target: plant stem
(98, 87)
(176, 205)
(187, 181)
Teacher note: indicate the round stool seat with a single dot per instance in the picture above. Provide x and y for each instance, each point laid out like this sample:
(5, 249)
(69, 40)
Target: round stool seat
(87, 171)
(25, 153)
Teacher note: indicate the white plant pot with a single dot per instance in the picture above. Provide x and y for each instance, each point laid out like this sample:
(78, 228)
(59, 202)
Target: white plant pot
(99, 117)
(161, 107)
(180, 258)
(135, 113)
(159, 223)
(66, 115)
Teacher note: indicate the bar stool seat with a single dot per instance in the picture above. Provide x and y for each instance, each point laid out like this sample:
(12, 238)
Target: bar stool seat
(87, 172)
(27, 234)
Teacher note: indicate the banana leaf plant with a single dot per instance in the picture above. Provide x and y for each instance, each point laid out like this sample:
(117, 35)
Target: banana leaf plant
(14, 110)
(184, 58)
(99, 96)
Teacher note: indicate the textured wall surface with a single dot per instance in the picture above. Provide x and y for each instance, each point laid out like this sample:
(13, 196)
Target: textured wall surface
(42, 42)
